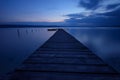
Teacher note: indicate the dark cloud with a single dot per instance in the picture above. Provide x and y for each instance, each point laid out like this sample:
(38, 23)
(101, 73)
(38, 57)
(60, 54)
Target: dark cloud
(107, 19)
(115, 13)
(89, 4)
(106, 15)
(113, 6)
(75, 15)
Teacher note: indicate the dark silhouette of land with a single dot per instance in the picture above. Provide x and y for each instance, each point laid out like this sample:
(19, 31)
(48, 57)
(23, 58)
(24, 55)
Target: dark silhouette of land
(46, 26)
(26, 26)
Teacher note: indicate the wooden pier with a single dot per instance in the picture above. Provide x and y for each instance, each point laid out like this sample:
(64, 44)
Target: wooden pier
(63, 57)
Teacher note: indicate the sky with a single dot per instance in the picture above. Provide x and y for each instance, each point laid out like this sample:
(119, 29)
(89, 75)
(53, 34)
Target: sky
(62, 12)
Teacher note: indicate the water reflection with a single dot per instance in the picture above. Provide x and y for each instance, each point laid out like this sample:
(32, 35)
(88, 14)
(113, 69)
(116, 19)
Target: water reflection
(104, 42)
(16, 44)
(18, 32)
(26, 31)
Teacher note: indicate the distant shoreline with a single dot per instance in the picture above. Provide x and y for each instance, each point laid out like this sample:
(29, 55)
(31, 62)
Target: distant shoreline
(26, 26)
(53, 26)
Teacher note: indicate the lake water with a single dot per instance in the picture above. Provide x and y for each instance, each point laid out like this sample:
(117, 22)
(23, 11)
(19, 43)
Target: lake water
(16, 44)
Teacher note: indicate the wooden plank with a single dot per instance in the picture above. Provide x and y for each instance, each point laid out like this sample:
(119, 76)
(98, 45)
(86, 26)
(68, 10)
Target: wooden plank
(66, 60)
(63, 57)
(67, 68)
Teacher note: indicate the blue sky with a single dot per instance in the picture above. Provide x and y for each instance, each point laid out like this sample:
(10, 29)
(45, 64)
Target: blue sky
(67, 12)
(36, 10)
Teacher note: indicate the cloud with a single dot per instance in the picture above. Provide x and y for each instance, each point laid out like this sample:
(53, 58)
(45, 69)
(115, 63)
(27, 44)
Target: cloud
(99, 6)
(89, 4)
(107, 6)
(97, 13)
(75, 15)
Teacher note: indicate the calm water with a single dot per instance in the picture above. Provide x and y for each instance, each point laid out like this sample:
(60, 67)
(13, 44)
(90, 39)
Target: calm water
(16, 44)
(104, 42)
